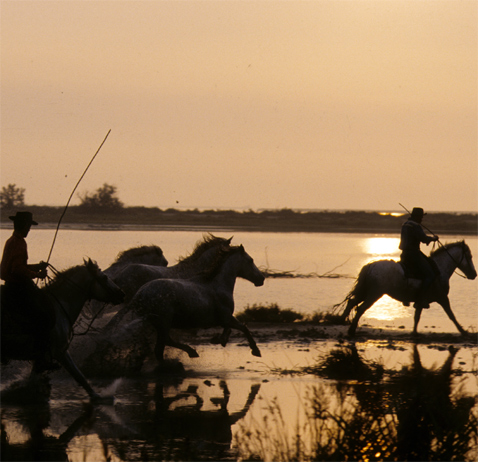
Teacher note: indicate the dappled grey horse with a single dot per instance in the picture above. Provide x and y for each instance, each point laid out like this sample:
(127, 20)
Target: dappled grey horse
(388, 277)
(133, 276)
(203, 301)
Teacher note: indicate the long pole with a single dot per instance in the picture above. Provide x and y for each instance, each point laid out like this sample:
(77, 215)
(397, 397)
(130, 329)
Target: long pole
(73, 192)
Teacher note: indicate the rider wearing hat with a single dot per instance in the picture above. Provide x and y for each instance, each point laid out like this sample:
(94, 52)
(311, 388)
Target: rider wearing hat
(21, 295)
(412, 235)
(14, 267)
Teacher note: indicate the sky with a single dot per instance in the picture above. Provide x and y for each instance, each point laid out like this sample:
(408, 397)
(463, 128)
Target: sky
(251, 104)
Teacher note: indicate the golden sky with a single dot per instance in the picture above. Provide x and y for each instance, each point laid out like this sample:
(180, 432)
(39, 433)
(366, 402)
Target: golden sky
(326, 104)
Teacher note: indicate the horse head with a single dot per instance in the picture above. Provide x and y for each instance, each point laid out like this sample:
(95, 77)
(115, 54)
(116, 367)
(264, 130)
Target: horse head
(466, 265)
(248, 269)
(102, 287)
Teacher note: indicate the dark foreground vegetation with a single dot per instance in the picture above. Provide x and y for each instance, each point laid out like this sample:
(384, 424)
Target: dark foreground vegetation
(285, 220)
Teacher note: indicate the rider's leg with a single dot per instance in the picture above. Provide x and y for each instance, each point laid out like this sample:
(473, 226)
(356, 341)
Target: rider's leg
(428, 276)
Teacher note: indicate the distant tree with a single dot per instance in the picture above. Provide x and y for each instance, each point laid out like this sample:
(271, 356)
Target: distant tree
(104, 198)
(11, 196)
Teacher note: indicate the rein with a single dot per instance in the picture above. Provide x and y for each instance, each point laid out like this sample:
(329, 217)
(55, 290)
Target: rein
(453, 260)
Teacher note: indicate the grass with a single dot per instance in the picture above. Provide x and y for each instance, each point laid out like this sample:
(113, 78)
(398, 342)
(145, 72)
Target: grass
(272, 313)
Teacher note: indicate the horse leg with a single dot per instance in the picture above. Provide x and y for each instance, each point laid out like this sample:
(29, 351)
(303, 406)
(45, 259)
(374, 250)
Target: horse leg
(222, 338)
(163, 338)
(445, 303)
(235, 324)
(418, 312)
(67, 362)
(192, 353)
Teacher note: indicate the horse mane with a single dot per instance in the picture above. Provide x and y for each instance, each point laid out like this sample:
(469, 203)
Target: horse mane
(214, 268)
(64, 275)
(208, 241)
(126, 255)
(445, 248)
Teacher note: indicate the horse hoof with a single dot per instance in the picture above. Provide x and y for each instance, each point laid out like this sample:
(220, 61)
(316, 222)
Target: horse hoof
(194, 354)
(256, 352)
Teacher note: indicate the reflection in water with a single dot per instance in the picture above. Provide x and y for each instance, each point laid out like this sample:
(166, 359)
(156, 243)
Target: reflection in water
(413, 414)
(177, 419)
(388, 309)
(381, 246)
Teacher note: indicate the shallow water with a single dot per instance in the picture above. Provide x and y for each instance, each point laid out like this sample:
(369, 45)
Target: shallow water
(206, 411)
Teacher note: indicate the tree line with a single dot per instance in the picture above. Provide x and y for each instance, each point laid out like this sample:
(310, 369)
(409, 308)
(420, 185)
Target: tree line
(105, 198)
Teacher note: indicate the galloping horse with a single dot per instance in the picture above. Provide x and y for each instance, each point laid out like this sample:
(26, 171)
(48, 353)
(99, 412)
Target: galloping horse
(388, 277)
(66, 295)
(204, 301)
(133, 276)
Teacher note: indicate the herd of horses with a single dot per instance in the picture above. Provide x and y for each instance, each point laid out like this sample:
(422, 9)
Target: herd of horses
(197, 292)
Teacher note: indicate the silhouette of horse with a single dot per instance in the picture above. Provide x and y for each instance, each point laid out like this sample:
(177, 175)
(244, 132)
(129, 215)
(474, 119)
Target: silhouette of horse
(66, 295)
(388, 277)
(145, 254)
(203, 301)
(133, 276)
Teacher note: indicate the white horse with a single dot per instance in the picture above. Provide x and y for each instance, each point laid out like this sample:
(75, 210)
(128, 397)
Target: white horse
(388, 277)
(204, 301)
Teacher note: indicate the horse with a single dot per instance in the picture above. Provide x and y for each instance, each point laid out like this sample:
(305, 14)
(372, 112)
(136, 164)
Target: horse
(388, 277)
(200, 302)
(133, 276)
(65, 294)
(145, 254)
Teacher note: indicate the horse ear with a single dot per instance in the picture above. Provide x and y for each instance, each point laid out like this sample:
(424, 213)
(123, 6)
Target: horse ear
(230, 239)
(241, 247)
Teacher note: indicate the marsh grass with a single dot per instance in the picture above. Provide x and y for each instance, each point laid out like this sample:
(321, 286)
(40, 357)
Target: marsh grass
(272, 313)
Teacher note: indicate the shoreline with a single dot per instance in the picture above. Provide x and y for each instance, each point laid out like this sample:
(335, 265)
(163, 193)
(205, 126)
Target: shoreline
(277, 221)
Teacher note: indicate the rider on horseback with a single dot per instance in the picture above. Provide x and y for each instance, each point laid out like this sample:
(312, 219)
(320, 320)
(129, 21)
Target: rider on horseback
(20, 295)
(412, 235)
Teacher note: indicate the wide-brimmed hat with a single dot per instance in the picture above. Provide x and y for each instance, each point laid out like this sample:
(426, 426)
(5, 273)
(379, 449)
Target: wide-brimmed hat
(23, 217)
(417, 212)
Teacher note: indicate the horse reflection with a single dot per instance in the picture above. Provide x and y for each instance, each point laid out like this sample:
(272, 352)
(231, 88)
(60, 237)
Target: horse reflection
(414, 414)
(432, 422)
(192, 422)
(40, 445)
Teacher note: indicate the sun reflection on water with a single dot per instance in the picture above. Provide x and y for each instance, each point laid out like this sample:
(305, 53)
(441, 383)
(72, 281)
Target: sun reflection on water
(387, 309)
(382, 246)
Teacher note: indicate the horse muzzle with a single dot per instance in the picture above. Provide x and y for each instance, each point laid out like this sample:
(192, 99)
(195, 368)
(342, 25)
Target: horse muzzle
(259, 282)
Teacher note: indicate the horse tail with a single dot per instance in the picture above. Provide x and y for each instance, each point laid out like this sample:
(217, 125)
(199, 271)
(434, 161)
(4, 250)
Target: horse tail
(355, 296)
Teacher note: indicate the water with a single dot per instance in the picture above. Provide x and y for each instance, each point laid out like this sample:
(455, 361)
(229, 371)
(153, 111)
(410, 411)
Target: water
(205, 412)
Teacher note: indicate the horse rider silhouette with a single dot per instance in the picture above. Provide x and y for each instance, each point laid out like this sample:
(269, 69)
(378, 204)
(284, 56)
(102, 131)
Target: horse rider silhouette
(412, 234)
(20, 295)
